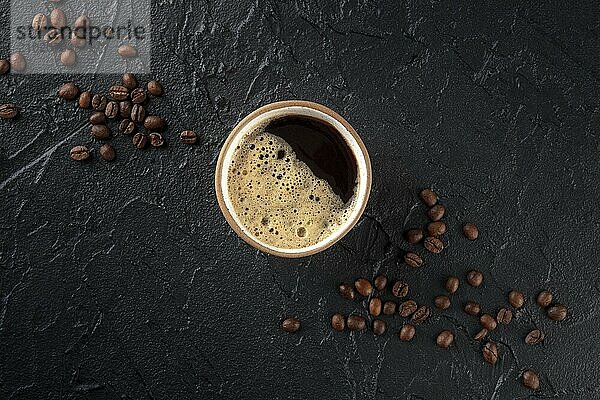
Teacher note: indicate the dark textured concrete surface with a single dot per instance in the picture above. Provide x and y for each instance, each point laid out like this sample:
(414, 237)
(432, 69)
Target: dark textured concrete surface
(123, 281)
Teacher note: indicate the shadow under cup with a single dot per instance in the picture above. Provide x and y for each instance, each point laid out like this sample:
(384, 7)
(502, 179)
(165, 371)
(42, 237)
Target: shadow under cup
(346, 135)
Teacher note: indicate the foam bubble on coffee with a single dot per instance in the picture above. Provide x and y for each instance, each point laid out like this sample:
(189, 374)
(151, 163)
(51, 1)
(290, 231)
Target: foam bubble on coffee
(277, 197)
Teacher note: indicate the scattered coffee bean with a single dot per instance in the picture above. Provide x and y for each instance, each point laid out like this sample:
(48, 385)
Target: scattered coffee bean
(544, 298)
(530, 379)
(138, 113)
(69, 91)
(442, 302)
(378, 327)
(470, 231)
(363, 287)
(400, 289)
(474, 278)
(414, 236)
(107, 152)
(156, 139)
(290, 325)
(188, 137)
(79, 153)
(127, 126)
(504, 316)
(433, 245)
(346, 291)
(68, 57)
(490, 353)
(40, 22)
(407, 332)
(99, 102)
(98, 118)
(421, 314)
(77, 39)
(127, 51)
(389, 308)
(154, 123)
(85, 100)
(8, 111)
(125, 109)
(445, 339)
(53, 37)
(557, 312)
(380, 282)
(155, 88)
(488, 322)
(338, 322)
(481, 334)
(17, 62)
(356, 323)
(452, 284)
(413, 260)
(407, 308)
(81, 22)
(139, 140)
(472, 308)
(429, 197)
(4, 66)
(375, 306)
(437, 228)
(534, 337)
(112, 109)
(129, 81)
(100, 131)
(436, 212)
(58, 18)
(138, 96)
(516, 299)
(118, 92)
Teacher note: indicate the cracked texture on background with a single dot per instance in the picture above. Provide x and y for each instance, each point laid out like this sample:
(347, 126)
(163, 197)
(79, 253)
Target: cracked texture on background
(122, 280)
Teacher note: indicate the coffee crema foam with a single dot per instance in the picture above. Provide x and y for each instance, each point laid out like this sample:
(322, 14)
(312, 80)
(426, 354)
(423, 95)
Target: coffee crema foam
(277, 197)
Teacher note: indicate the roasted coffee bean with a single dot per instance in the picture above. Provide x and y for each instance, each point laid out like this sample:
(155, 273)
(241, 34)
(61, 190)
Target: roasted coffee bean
(414, 236)
(380, 282)
(81, 22)
(557, 312)
(544, 298)
(112, 109)
(481, 334)
(490, 353)
(118, 92)
(421, 314)
(40, 22)
(389, 308)
(79, 153)
(129, 81)
(470, 231)
(474, 278)
(442, 302)
(4, 66)
(17, 62)
(363, 287)
(100, 131)
(400, 289)
(375, 306)
(378, 327)
(53, 37)
(472, 308)
(8, 111)
(69, 91)
(139, 140)
(125, 109)
(356, 323)
(107, 152)
(433, 245)
(452, 284)
(156, 139)
(436, 212)
(429, 197)
(516, 299)
(290, 325)
(98, 118)
(188, 137)
(127, 51)
(155, 88)
(534, 337)
(58, 18)
(437, 228)
(78, 39)
(413, 260)
(338, 322)
(138, 113)
(138, 96)
(346, 291)
(504, 316)
(85, 100)
(154, 123)
(445, 339)
(407, 308)
(530, 379)
(99, 102)
(68, 57)
(488, 322)
(127, 126)
(406, 333)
